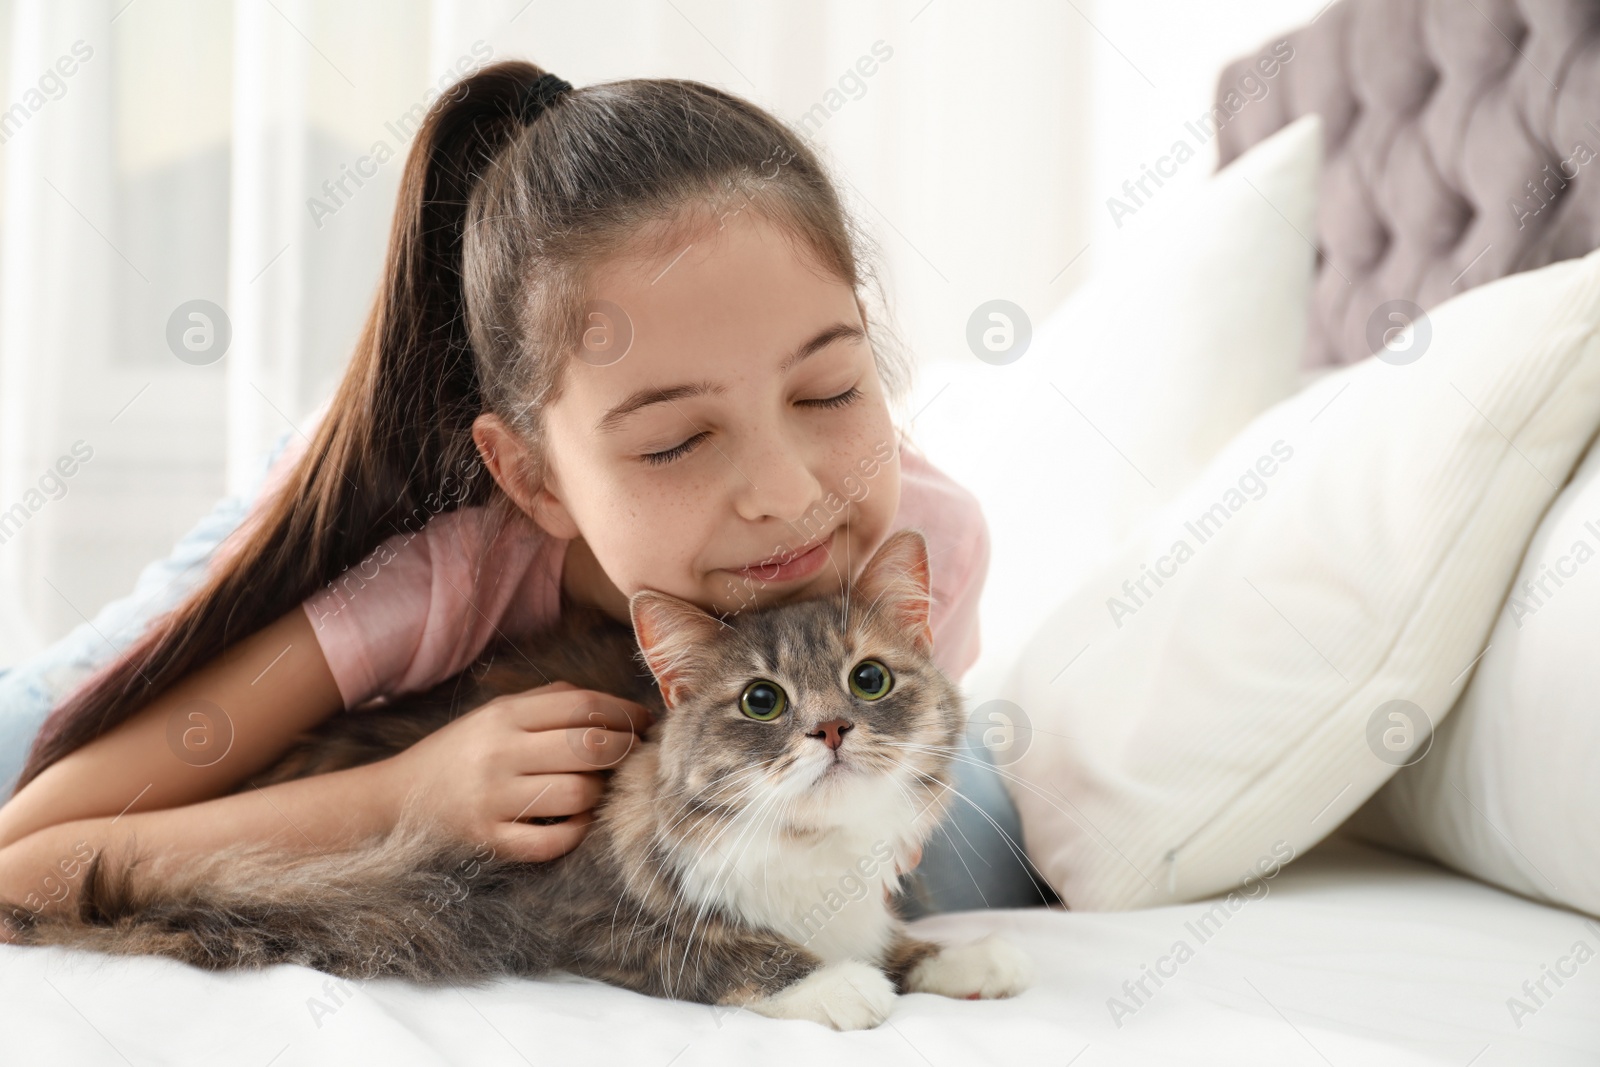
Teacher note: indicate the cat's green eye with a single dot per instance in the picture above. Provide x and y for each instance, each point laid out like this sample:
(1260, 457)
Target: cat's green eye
(870, 680)
(763, 701)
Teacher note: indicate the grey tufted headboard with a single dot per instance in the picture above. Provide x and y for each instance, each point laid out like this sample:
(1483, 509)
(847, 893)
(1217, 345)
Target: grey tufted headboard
(1463, 144)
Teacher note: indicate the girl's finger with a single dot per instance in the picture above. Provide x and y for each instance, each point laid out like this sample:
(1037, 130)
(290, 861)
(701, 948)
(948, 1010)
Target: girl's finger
(554, 687)
(537, 844)
(544, 795)
(578, 707)
(582, 748)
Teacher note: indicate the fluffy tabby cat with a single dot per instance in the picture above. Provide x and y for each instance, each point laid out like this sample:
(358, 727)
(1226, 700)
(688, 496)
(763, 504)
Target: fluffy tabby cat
(739, 857)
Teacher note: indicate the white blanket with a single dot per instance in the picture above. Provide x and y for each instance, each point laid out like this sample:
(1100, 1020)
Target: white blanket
(1352, 957)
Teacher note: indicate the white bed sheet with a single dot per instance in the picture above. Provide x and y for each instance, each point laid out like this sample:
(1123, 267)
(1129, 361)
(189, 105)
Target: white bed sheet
(1354, 957)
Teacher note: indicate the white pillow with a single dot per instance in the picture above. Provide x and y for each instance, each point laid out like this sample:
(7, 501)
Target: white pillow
(1195, 328)
(1510, 790)
(1348, 550)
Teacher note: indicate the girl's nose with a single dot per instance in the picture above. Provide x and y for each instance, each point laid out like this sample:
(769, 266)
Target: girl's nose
(777, 483)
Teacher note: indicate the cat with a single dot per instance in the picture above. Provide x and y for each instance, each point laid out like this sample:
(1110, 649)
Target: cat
(742, 856)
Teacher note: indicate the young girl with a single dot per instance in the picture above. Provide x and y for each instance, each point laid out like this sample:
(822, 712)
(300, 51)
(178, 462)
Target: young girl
(638, 306)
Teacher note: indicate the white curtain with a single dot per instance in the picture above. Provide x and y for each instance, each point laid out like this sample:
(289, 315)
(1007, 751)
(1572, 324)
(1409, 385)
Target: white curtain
(179, 160)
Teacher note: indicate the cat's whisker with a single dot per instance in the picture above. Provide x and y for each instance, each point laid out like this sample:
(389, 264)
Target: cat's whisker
(941, 826)
(629, 878)
(728, 823)
(683, 812)
(947, 788)
(710, 892)
(766, 885)
(900, 878)
(727, 820)
(944, 830)
(753, 769)
(1017, 851)
(730, 862)
(958, 753)
(701, 794)
(976, 762)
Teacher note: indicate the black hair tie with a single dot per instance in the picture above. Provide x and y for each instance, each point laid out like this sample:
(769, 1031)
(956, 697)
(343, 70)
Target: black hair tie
(540, 94)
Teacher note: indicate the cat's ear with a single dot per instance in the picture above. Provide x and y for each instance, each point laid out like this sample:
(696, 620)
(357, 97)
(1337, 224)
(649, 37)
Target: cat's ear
(896, 585)
(674, 636)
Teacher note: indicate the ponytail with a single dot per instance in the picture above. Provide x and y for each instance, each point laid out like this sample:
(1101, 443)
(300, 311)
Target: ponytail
(397, 430)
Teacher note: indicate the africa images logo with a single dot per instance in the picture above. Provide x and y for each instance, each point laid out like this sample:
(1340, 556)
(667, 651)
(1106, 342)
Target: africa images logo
(1202, 528)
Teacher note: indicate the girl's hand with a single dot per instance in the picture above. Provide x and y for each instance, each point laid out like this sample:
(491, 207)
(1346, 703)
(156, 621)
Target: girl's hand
(544, 752)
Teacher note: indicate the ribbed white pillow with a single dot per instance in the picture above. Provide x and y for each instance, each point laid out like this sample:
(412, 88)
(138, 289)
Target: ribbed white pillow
(1349, 549)
(1510, 790)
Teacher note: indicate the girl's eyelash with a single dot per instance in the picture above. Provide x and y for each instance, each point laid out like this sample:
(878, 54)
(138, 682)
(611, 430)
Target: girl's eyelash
(849, 396)
(676, 451)
(656, 459)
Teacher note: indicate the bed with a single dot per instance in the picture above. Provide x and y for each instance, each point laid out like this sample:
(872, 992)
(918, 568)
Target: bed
(1350, 955)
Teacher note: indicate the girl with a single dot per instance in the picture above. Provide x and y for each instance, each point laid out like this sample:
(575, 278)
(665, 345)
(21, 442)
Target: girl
(638, 307)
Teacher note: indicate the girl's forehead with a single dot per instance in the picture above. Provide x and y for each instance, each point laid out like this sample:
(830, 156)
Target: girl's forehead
(743, 265)
(728, 302)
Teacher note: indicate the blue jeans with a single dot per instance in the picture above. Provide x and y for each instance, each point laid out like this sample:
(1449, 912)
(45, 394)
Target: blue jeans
(968, 863)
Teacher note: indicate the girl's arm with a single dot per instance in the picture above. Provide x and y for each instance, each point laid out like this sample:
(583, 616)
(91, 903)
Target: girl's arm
(154, 786)
(224, 722)
(43, 871)
(152, 782)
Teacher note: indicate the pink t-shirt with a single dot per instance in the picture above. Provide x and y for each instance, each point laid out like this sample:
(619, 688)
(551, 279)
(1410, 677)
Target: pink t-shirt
(425, 603)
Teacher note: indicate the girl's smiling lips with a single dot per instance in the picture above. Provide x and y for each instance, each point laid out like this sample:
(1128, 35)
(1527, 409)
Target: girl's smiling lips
(790, 566)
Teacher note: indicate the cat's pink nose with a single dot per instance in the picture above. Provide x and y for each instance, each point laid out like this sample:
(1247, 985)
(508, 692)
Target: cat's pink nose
(832, 732)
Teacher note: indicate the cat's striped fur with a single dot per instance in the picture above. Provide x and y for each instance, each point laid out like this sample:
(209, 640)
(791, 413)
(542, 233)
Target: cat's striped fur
(731, 861)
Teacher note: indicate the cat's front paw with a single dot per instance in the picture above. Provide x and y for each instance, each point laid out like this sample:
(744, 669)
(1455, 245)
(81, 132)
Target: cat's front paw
(846, 996)
(979, 971)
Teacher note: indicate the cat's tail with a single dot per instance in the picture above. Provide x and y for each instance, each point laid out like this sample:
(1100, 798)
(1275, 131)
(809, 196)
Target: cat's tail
(414, 905)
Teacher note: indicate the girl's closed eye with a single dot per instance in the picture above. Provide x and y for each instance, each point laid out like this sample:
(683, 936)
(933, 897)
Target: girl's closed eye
(667, 455)
(678, 451)
(849, 396)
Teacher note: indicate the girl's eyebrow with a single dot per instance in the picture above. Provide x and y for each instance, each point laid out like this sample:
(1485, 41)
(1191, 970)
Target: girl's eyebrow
(839, 331)
(642, 398)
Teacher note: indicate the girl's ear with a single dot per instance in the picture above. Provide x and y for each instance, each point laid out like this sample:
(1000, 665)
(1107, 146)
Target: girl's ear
(507, 456)
(674, 636)
(896, 585)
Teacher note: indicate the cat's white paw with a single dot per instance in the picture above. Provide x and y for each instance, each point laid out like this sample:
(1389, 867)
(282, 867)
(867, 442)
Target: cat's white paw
(979, 971)
(849, 995)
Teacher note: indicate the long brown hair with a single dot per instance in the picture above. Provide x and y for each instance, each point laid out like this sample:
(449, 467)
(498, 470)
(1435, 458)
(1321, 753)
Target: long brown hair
(498, 226)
